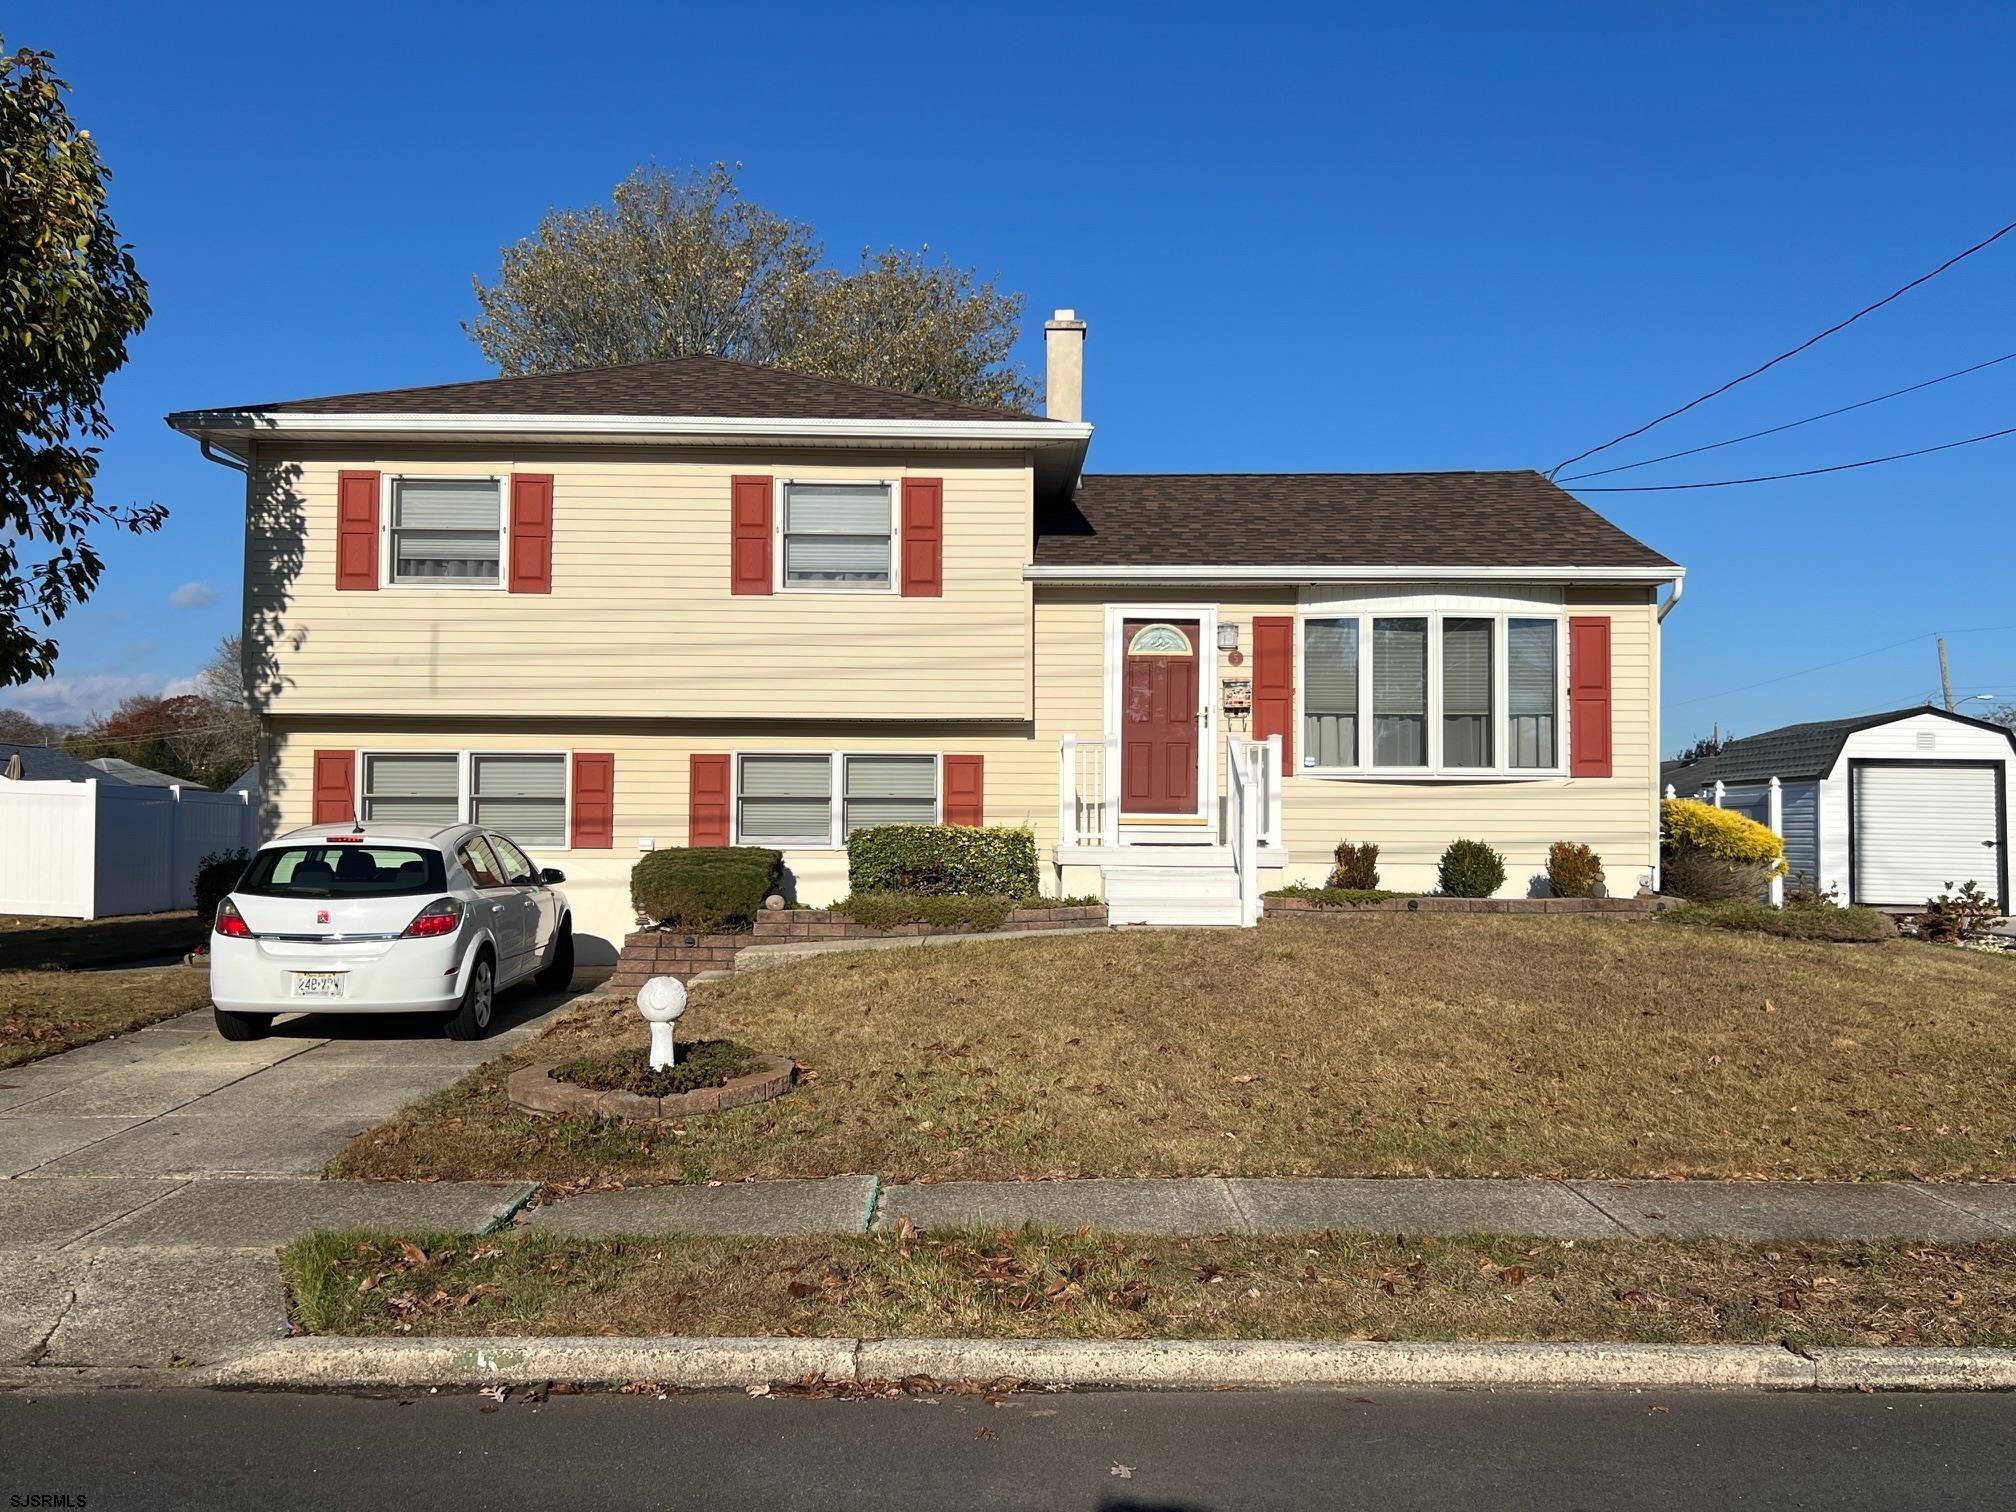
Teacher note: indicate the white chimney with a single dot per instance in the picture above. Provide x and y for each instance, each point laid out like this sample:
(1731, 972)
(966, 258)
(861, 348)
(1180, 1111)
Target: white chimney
(1064, 364)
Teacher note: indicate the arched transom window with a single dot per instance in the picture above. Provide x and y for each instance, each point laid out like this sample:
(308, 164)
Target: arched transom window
(1159, 640)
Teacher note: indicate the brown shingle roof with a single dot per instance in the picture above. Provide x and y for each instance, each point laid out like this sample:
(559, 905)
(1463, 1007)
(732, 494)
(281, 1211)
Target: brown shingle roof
(717, 387)
(1451, 519)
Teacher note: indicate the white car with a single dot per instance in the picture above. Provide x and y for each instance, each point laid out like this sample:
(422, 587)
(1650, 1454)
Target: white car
(386, 918)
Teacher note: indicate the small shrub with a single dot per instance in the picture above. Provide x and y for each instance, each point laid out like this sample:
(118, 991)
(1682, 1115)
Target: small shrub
(705, 890)
(1958, 918)
(1711, 855)
(1573, 870)
(1470, 869)
(942, 858)
(1804, 887)
(216, 874)
(1795, 921)
(1334, 896)
(702, 1063)
(1357, 867)
(960, 910)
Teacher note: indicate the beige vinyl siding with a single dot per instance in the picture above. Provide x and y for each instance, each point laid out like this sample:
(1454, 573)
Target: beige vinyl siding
(653, 783)
(640, 622)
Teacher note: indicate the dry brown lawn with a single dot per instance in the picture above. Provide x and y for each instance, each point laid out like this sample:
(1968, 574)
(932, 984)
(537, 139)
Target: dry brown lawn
(1038, 1284)
(1451, 1045)
(43, 1012)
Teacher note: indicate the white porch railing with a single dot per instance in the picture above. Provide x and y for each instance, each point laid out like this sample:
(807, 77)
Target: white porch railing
(1246, 764)
(1088, 810)
(1088, 802)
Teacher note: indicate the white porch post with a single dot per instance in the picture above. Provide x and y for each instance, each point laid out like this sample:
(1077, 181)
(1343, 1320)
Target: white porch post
(1774, 815)
(1067, 791)
(1276, 780)
(1109, 779)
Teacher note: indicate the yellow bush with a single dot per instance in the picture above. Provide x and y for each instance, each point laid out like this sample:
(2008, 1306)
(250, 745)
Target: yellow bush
(1721, 833)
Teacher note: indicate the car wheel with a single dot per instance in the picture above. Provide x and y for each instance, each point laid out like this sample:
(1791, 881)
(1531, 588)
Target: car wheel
(479, 1000)
(558, 972)
(241, 1026)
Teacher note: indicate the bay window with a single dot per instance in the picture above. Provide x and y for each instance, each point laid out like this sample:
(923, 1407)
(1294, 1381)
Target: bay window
(1434, 692)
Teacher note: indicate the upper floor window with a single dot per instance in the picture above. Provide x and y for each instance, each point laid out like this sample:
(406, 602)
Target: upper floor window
(447, 531)
(838, 535)
(1431, 694)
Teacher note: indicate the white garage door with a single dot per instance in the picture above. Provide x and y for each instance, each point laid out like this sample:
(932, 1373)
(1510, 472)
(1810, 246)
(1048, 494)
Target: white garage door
(1920, 826)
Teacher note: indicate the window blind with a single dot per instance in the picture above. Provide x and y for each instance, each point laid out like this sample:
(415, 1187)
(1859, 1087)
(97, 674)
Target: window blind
(786, 798)
(837, 533)
(1532, 684)
(522, 796)
(1330, 693)
(1400, 692)
(890, 790)
(446, 529)
(1466, 692)
(418, 789)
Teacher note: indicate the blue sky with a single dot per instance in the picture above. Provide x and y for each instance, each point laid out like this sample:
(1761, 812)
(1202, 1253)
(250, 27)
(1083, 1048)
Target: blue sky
(1304, 239)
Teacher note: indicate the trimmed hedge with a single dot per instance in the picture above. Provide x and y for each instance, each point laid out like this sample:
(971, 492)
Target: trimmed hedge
(1795, 921)
(938, 859)
(708, 890)
(1573, 870)
(1470, 869)
(980, 911)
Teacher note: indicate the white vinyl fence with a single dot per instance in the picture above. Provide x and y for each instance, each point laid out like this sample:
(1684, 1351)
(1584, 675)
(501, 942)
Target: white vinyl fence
(89, 850)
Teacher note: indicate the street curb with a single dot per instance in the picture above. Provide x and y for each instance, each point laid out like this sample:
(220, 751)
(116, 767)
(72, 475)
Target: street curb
(330, 1363)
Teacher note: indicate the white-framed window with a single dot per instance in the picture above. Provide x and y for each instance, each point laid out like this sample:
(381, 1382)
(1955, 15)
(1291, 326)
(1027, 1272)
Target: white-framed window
(520, 794)
(816, 799)
(444, 532)
(1434, 689)
(836, 537)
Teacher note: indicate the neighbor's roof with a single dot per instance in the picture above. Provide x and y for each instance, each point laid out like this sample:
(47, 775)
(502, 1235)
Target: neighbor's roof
(41, 763)
(136, 775)
(713, 387)
(248, 782)
(1438, 519)
(1796, 753)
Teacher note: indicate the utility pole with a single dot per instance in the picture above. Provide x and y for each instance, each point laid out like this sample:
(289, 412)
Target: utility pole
(1945, 676)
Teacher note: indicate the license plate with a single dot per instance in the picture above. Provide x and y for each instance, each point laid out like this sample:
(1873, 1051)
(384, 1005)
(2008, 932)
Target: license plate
(318, 984)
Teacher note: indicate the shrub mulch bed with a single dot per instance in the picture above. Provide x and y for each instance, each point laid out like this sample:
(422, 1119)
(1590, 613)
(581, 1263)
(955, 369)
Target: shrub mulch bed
(775, 925)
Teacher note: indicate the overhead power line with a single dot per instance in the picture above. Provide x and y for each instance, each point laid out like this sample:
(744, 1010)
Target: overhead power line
(1807, 472)
(1909, 640)
(1791, 424)
(1793, 352)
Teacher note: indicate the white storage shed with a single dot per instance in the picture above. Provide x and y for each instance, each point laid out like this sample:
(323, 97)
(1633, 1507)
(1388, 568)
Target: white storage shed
(1884, 809)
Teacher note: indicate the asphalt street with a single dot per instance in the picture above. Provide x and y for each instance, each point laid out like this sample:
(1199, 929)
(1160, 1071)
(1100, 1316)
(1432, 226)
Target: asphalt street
(1123, 1452)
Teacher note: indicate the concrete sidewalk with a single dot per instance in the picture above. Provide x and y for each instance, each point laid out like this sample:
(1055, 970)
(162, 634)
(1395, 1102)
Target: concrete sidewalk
(1752, 1210)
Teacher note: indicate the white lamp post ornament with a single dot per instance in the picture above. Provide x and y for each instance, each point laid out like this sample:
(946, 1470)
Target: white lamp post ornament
(661, 1000)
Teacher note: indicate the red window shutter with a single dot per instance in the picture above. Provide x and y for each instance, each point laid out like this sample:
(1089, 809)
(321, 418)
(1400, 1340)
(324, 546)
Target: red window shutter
(335, 796)
(749, 542)
(531, 533)
(707, 801)
(965, 790)
(594, 801)
(357, 530)
(923, 537)
(1589, 696)
(1274, 683)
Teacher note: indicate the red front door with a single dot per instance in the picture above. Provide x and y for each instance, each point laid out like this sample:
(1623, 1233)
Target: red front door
(1158, 721)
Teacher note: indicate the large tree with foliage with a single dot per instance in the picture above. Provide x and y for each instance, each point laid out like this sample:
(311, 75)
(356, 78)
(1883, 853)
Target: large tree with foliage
(70, 298)
(682, 263)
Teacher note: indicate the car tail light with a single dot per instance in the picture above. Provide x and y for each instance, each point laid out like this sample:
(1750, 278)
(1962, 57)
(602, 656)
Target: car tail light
(230, 923)
(433, 921)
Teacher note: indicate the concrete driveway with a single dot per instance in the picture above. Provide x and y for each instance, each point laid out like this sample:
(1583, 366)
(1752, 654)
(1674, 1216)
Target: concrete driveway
(145, 1180)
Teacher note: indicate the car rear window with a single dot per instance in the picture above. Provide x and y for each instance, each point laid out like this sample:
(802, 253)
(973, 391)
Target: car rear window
(343, 871)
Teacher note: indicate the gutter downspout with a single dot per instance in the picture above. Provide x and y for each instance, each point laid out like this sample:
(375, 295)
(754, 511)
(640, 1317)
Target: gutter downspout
(1658, 869)
(222, 459)
(1679, 587)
